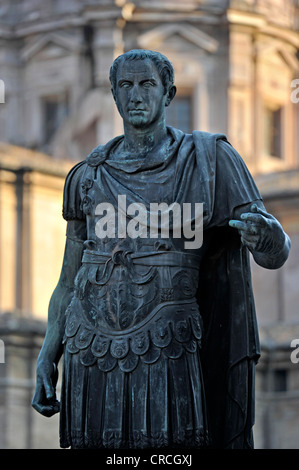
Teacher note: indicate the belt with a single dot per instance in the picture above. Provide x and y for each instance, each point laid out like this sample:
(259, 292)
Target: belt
(151, 258)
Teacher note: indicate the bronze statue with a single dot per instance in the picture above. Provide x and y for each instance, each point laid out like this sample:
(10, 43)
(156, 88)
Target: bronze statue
(159, 337)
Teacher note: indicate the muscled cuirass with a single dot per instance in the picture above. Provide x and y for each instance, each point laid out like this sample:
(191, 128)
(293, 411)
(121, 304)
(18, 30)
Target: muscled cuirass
(135, 296)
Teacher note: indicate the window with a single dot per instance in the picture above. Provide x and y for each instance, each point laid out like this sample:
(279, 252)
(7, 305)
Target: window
(280, 380)
(55, 109)
(273, 380)
(273, 128)
(179, 113)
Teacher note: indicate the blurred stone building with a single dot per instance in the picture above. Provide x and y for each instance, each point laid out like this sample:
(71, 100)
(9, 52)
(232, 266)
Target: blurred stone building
(237, 72)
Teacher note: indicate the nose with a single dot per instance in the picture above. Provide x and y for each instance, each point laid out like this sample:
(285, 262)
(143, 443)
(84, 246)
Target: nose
(135, 96)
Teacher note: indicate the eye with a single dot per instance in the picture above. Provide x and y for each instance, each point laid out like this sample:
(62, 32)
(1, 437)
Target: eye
(147, 84)
(125, 85)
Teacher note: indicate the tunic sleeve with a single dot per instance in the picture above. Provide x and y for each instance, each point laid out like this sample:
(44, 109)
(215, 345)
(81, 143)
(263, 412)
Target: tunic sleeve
(234, 185)
(71, 196)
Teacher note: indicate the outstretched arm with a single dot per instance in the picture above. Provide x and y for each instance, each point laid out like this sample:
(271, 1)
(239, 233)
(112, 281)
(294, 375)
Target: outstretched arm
(263, 235)
(44, 400)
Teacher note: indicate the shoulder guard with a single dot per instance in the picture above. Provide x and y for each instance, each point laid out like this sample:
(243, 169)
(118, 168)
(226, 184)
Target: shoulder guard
(71, 195)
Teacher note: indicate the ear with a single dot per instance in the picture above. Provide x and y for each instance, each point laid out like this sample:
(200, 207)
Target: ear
(113, 94)
(170, 95)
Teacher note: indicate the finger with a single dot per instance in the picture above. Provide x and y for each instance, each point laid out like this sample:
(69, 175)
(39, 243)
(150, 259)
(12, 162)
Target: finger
(243, 226)
(259, 210)
(42, 405)
(38, 407)
(47, 410)
(37, 399)
(257, 219)
(238, 224)
(52, 408)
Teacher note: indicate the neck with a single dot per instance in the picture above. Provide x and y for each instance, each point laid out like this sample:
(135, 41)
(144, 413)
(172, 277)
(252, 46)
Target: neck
(139, 141)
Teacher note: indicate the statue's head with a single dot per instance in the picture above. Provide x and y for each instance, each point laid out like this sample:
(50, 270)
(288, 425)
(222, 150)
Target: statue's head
(142, 84)
(161, 62)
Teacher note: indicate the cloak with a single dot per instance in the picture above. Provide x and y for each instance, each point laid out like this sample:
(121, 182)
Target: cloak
(205, 168)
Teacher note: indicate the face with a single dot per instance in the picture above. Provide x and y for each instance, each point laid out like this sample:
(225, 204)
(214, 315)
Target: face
(139, 93)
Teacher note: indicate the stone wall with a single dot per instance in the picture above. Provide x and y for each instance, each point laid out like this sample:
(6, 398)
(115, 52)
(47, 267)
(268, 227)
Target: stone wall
(21, 426)
(235, 60)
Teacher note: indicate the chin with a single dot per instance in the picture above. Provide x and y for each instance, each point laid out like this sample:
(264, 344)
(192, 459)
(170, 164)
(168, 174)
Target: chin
(138, 122)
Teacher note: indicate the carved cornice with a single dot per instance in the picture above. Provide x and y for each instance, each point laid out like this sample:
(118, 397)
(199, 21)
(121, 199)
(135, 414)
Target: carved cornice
(157, 36)
(261, 25)
(65, 41)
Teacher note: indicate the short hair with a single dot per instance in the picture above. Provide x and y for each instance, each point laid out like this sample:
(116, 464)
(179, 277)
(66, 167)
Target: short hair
(164, 66)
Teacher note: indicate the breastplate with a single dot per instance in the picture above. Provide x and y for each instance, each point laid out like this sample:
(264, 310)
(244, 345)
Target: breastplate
(133, 297)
